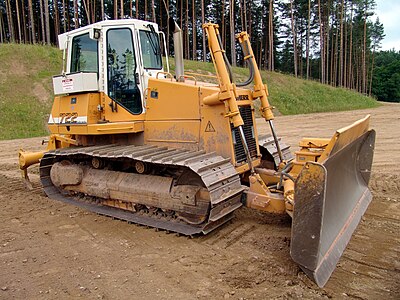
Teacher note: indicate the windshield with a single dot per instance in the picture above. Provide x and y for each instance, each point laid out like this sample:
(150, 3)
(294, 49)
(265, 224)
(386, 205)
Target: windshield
(150, 45)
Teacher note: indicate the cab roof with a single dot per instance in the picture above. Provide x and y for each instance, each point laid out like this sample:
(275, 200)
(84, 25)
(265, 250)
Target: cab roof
(139, 24)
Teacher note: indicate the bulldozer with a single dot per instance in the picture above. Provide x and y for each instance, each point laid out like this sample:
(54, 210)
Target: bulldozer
(132, 141)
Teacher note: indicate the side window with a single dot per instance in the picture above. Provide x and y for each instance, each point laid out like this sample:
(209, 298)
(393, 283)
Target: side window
(150, 44)
(84, 54)
(121, 65)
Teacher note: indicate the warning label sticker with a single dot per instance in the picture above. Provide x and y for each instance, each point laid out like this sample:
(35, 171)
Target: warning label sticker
(209, 127)
(67, 84)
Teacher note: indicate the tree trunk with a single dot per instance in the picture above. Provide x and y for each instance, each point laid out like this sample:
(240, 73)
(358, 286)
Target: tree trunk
(68, 16)
(186, 30)
(168, 29)
(300, 53)
(194, 30)
(263, 45)
(137, 8)
(341, 46)
(241, 13)
(249, 27)
(308, 41)
(321, 43)
(294, 39)
(336, 50)
(10, 21)
(56, 19)
(121, 12)
(47, 18)
(25, 28)
(245, 15)
(363, 67)
(271, 36)
(1, 27)
(32, 21)
(153, 11)
(102, 10)
(350, 48)
(64, 15)
(223, 25)
(86, 8)
(115, 9)
(232, 23)
(344, 82)
(204, 34)
(181, 18)
(372, 72)
(332, 56)
(160, 16)
(76, 16)
(93, 10)
(18, 21)
(327, 34)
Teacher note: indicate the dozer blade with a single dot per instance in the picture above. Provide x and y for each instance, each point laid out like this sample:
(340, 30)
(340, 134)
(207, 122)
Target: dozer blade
(330, 198)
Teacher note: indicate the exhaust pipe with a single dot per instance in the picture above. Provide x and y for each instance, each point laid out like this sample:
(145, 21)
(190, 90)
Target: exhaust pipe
(178, 49)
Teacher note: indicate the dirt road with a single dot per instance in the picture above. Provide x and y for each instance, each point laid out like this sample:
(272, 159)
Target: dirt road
(51, 250)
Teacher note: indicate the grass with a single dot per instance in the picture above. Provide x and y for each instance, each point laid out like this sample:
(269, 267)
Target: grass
(292, 95)
(25, 88)
(26, 92)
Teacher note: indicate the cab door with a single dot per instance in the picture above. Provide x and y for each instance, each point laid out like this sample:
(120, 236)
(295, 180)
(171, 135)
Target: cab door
(122, 80)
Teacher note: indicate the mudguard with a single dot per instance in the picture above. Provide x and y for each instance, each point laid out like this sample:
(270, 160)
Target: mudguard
(331, 196)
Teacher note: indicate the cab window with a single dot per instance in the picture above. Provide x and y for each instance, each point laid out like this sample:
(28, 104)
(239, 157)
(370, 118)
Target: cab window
(84, 54)
(121, 65)
(150, 45)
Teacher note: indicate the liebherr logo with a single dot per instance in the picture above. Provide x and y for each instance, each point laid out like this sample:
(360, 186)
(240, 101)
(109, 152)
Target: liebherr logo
(242, 97)
(68, 118)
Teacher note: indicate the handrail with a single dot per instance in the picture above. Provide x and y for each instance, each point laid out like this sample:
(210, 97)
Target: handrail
(188, 77)
(202, 75)
(167, 74)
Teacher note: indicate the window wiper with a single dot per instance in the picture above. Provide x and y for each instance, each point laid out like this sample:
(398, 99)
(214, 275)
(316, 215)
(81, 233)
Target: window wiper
(150, 35)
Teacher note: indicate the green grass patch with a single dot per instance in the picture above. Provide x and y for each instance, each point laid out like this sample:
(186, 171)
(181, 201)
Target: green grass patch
(297, 96)
(26, 94)
(22, 119)
(292, 95)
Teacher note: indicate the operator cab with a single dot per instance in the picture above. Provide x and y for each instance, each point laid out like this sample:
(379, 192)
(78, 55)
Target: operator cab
(115, 57)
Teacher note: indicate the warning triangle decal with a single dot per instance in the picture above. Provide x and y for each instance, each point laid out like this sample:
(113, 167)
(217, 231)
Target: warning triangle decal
(209, 127)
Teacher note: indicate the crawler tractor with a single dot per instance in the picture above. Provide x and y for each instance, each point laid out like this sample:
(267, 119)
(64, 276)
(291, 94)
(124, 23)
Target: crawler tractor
(132, 141)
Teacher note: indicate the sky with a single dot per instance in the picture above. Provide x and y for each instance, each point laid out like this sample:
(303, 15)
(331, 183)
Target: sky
(388, 13)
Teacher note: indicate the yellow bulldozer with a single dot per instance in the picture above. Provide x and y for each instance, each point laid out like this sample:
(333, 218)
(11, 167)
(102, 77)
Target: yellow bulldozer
(132, 141)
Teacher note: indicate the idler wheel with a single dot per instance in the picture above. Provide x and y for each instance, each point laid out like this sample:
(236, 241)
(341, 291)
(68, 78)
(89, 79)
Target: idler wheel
(97, 163)
(141, 167)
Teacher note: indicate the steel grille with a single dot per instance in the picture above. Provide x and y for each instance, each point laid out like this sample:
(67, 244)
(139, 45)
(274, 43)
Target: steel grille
(248, 129)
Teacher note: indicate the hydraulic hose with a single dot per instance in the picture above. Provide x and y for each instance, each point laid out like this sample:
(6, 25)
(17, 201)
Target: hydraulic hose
(246, 54)
(228, 65)
(285, 173)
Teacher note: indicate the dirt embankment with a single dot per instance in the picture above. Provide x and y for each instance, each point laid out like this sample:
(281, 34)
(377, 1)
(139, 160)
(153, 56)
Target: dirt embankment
(52, 250)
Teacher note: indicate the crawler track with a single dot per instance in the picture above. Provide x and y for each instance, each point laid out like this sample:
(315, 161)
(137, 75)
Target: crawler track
(215, 173)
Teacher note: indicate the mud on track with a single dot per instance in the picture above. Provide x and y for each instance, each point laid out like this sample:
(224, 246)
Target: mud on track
(51, 250)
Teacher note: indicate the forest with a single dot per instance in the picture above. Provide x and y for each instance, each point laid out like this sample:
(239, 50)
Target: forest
(336, 42)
